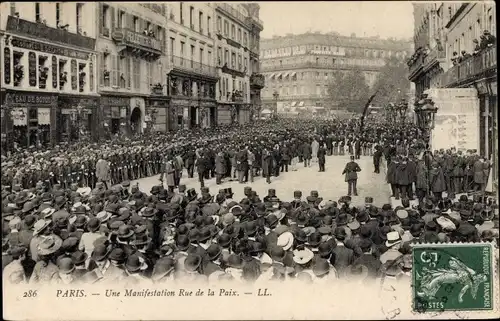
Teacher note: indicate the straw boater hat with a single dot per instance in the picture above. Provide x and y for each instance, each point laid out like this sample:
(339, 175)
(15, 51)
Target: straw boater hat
(49, 245)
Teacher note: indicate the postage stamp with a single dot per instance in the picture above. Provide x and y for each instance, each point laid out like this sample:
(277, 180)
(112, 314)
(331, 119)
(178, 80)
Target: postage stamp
(453, 277)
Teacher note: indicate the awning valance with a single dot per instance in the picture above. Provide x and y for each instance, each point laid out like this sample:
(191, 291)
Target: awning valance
(293, 74)
(272, 75)
(301, 104)
(279, 75)
(286, 74)
(294, 103)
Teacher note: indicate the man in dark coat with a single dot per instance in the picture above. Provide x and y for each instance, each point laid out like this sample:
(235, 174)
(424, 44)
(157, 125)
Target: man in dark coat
(189, 159)
(321, 157)
(377, 156)
(306, 150)
(267, 165)
(242, 164)
(351, 176)
(201, 168)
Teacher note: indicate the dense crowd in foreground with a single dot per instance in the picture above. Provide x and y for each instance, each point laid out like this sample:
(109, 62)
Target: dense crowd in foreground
(68, 231)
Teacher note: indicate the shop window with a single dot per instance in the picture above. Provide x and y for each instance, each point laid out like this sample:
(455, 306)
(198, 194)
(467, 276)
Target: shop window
(43, 72)
(81, 77)
(63, 74)
(91, 76)
(32, 68)
(6, 64)
(54, 72)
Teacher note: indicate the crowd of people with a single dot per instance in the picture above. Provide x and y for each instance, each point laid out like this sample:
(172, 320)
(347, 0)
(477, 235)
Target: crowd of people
(486, 41)
(65, 227)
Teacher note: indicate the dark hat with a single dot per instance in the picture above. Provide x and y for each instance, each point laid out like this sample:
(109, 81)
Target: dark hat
(325, 248)
(117, 254)
(182, 242)
(233, 230)
(340, 233)
(235, 261)
(300, 235)
(277, 253)
(163, 267)
(224, 240)
(17, 251)
(149, 212)
(191, 194)
(314, 239)
(80, 221)
(205, 234)
(192, 262)
(125, 232)
(29, 221)
(250, 228)
(213, 252)
(134, 263)
(342, 219)
(28, 206)
(79, 257)
(100, 252)
(321, 266)
(126, 184)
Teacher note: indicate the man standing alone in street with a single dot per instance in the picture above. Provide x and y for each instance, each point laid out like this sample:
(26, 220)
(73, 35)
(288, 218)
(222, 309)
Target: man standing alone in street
(351, 176)
(377, 156)
(321, 157)
(102, 171)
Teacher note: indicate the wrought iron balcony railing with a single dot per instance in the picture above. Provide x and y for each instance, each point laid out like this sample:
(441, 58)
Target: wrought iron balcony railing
(192, 66)
(471, 67)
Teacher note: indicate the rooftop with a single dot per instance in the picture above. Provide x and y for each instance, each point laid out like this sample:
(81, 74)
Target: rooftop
(334, 39)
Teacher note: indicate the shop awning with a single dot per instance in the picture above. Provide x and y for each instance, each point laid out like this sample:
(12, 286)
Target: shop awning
(293, 74)
(286, 74)
(294, 103)
(301, 104)
(279, 75)
(272, 75)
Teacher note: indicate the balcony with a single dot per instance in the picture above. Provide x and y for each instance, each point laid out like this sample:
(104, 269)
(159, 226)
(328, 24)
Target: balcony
(233, 43)
(416, 66)
(41, 31)
(236, 73)
(184, 65)
(229, 10)
(482, 65)
(257, 81)
(338, 64)
(256, 21)
(137, 42)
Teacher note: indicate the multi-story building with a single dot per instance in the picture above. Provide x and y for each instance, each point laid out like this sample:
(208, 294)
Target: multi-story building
(48, 71)
(131, 48)
(463, 72)
(192, 75)
(238, 28)
(299, 68)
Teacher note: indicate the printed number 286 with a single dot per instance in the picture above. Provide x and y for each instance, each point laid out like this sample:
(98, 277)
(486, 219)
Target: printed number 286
(30, 294)
(429, 258)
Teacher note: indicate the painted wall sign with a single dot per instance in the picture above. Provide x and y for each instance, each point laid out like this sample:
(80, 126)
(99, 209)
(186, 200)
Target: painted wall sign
(43, 116)
(6, 64)
(138, 39)
(32, 69)
(54, 72)
(26, 98)
(74, 76)
(38, 30)
(51, 49)
(115, 101)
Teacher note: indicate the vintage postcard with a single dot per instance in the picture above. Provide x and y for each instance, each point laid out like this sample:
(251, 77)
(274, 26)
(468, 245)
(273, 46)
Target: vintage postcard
(249, 160)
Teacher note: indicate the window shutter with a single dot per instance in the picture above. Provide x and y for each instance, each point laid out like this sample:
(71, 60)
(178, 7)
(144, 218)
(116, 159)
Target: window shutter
(102, 67)
(113, 18)
(114, 61)
(101, 11)
(127, 71)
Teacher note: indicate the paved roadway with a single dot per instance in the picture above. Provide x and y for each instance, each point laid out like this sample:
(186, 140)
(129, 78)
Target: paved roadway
(330, 184)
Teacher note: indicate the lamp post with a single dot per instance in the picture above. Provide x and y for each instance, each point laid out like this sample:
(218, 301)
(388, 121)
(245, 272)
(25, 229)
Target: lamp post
(276, 96)
(426, 112)
(402, 108)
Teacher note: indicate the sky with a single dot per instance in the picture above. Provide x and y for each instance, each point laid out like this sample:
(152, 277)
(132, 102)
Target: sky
(364, 18)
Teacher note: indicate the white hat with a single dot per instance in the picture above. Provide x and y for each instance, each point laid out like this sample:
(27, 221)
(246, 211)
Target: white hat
(303, 256)
(402, 214)
(47, 213)
(446, 223)
(103, 216)
(285, 240)
(84, 191)
(393, 238)
(353, 225)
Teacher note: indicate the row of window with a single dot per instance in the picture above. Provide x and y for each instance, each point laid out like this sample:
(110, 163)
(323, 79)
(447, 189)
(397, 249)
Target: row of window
(44, 14)
(232, 31)
(474, 31)
(202, 21)
(332, 50)
(194, 55)
(231, 59)
(228, 85)
(47, 72)
(127, 21)
(128, 72)
(319, 90)
(323, 61)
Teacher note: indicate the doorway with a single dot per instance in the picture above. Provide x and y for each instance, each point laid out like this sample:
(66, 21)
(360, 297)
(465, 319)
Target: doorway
(115, 126)
(192, 117)
(135, 121)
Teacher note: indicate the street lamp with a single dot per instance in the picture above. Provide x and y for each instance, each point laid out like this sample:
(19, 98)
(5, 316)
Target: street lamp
(426, 112)
(276, 96)
(391, 109)
(401, 108)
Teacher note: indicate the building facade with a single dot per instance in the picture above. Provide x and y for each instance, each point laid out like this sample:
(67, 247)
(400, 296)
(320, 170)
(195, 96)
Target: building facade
(238, 32)
(192, 75)
(299, 68)
(131, 47)
(48, 72)
(447, 57)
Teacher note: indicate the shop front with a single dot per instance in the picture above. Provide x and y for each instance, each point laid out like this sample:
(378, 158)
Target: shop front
(28, 118)
(115, 115)
(182, 113)
(77, 118)
(207, 113)
(244, 115)
(157, 114)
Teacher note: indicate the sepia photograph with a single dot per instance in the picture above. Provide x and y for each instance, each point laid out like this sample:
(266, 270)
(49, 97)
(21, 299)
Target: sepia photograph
(249, 160)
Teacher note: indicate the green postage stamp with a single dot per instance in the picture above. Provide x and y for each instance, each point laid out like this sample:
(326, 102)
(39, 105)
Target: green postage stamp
(453, 277)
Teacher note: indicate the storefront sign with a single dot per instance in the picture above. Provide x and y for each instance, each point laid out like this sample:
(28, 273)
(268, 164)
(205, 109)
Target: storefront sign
(181, 102)
(32, 68)
(19, 116)
(115, 101)
(43, 116)
(51, 49)
(39, 30)
(30, 99)
(73, 101)
(138, 39)
(6, 64)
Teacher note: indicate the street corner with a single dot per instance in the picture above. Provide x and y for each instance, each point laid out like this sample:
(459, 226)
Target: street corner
(453, 277)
